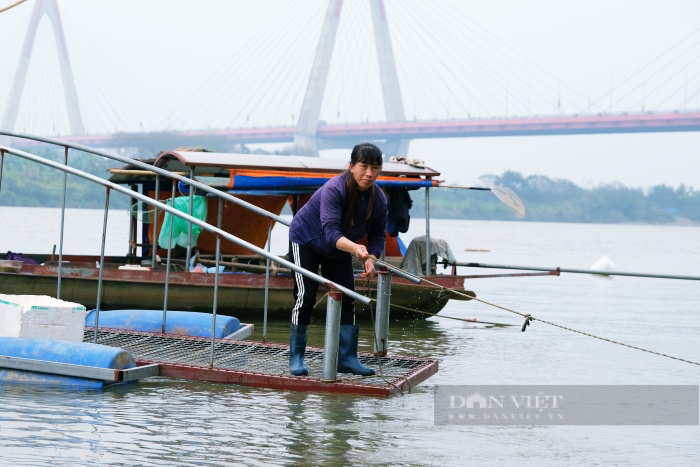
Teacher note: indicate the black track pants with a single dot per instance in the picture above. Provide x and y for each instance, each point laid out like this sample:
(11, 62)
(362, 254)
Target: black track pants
(336, 270)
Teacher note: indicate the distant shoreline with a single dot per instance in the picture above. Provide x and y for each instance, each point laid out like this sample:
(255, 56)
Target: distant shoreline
(678, 222)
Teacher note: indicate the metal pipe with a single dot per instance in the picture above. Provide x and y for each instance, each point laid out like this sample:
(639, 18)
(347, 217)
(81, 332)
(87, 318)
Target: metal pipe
(219, 218)
(2, 163)
(188, 218)
(428, 269)
(63, 218)
(102, 266)
(189, 225)
(154, 243)
(151, 168)
(381, 323)
(330, 344)
(400, 272)
(578, 271)
(267, 282)
(167, 263)
(132, 224)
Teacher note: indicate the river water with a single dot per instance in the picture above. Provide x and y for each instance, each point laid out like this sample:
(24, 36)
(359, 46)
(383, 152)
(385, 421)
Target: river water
(163, 421)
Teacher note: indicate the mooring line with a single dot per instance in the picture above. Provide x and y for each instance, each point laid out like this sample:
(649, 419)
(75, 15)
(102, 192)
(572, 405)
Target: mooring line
(619, 343)
(529, 318)
(465, 320)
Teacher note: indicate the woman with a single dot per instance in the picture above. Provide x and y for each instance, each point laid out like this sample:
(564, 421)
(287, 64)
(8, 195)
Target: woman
(323, 233)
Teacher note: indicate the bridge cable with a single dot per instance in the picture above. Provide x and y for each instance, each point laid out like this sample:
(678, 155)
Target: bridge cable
(492, 42)
(487, 71)
(221, 80)
(449, 68)
(669, 79)
(660, 70)
(262, 102)
(636, 73)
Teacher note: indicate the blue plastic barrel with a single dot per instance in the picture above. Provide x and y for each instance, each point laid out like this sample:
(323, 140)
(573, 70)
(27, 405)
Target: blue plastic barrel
(76, 353)
(185, 323)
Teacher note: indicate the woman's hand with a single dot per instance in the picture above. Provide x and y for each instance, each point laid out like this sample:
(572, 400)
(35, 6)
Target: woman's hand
(360, 252)
(369, 268)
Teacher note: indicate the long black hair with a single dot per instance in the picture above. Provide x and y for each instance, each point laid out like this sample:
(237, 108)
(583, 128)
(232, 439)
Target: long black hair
(371, 155)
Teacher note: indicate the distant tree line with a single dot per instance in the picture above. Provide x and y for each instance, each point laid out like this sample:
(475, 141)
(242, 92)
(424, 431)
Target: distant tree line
(26, 183)
(555, 200)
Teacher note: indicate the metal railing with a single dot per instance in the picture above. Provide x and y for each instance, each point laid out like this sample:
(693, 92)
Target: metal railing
(194, 183)
(333, 302)
(333, 307)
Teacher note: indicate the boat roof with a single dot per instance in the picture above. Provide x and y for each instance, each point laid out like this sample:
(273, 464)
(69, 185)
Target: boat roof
(269, 173)
(182, 161)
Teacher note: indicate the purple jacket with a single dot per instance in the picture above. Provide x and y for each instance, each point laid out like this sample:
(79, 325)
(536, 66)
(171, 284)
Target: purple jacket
(319, 223)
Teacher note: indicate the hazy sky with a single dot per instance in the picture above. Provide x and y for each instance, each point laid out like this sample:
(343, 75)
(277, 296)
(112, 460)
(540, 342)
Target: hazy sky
(182, 57)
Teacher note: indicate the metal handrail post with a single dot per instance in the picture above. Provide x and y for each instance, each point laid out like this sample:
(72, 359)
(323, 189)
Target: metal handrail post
(154, 242)
(427, 232)
(132, 228)
(381, 324)
(102, 266)
(189, 225)
(219, 219)
(267, 282)
(330, 345)
(167, 264)
(63, 218)
(2, 163)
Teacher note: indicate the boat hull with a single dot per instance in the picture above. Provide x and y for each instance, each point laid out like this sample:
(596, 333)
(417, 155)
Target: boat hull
(240, 295)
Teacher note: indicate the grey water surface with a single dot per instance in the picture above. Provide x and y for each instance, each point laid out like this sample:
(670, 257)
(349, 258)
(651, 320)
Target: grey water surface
(163, 421)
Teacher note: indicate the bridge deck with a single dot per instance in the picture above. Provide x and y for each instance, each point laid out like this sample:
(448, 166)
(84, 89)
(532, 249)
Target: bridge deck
(261, 364)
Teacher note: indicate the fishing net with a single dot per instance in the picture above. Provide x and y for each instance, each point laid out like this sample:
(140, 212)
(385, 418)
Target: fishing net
(143, 213)
(510, 199)
(505, 195)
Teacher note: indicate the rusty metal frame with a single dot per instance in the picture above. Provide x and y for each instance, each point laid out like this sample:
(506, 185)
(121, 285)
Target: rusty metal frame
(421, 369)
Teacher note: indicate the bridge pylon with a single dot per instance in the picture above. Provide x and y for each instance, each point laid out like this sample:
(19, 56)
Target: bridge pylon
(306, 134)
(50, 9)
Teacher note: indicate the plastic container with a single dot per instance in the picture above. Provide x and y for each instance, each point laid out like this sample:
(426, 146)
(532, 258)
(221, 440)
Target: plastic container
(76, 353)
(185, 323)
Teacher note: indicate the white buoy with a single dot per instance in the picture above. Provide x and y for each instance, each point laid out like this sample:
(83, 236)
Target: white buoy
(604, 264)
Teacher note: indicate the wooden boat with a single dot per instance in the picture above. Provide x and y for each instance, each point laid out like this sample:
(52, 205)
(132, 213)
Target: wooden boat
(240, 295)
(268, 182)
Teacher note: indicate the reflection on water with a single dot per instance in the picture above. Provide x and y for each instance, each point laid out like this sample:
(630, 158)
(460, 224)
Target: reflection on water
(164, 421)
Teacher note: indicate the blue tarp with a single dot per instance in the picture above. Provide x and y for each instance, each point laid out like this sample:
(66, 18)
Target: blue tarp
(292, 185)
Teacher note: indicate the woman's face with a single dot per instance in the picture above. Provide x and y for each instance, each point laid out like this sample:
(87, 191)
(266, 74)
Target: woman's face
(365, 174)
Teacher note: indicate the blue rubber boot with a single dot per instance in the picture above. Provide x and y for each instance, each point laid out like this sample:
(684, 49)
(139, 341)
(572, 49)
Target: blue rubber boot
(347, 352)
(297, 348)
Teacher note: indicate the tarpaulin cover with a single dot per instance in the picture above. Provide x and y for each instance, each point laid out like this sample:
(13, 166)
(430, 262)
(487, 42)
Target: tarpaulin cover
(286, 182)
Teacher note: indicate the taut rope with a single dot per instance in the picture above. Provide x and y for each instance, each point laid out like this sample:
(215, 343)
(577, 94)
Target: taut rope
(529, 318)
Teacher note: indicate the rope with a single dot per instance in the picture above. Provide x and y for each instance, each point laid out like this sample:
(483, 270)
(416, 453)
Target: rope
(529, 318)
(446, 317)
(12, 6)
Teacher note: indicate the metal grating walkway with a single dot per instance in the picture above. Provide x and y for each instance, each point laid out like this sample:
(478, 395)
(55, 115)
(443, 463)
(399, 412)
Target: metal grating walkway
(261, 364)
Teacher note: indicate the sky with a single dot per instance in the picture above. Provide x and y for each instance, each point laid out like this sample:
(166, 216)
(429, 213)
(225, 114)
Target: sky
(167, 64)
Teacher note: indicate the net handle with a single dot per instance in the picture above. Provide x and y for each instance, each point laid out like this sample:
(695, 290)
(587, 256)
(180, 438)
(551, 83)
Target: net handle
(505, 195)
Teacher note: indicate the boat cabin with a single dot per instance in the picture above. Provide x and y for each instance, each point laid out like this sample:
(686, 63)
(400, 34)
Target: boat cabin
(266, 181)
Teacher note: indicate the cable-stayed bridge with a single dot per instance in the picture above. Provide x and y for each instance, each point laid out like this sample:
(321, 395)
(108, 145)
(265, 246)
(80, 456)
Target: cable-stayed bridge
(348, 72)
